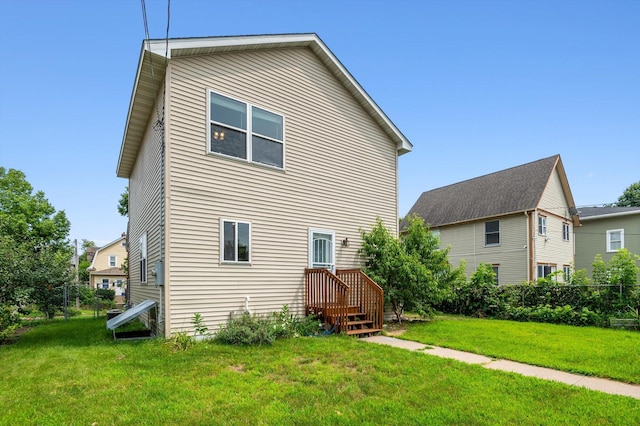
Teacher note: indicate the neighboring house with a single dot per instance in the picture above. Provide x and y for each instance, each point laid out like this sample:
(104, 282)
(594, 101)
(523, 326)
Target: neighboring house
(249, 159)
(604, 231)
(106, 266)
(519, 220)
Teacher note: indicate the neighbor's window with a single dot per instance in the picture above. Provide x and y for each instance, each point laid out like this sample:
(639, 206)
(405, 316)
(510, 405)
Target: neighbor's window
(615, 239)
(492, 233)
(436, 233)
(113, 261)
(105, 283)
(565, 231)
(241, 130)
(143, 258)
(496, 271)
(542, 225)
(235, 241)
(566, 269)
(545, 270)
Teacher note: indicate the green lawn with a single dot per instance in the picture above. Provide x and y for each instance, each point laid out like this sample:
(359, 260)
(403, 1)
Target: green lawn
(593, 351)
(74, 374)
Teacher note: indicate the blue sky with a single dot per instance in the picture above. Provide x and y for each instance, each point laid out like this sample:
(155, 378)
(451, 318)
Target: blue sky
(476, 86)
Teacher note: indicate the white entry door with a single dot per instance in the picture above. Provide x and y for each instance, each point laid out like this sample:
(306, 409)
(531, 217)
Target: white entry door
(322, 249)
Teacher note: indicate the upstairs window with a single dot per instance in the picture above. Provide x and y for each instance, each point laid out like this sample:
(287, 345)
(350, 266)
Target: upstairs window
(244, 131)
(113, 261)
(565, 231)
(542, 225)
(615, 239)
(492, 233)
(235, 241)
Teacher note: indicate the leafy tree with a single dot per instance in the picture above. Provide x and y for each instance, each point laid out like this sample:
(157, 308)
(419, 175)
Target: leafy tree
(123, 203)
(83, 262)
(630, 197)
(35, 254)
(409, 269)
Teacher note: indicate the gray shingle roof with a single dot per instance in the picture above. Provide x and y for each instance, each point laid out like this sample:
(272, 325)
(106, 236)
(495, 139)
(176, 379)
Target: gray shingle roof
(586, 212)
(512, 190)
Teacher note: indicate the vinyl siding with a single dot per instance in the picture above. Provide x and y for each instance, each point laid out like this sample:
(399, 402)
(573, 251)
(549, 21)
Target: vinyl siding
(101, 260)
(591, 238)
(340, 173)
(552, 249)
(467, 242)
(144, 216)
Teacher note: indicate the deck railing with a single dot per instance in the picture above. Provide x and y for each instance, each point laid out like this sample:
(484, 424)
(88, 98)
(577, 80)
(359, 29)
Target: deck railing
(364, 293)
(327, 296)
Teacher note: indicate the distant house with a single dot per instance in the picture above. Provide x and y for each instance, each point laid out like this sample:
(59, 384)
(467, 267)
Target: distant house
(604, 231)
(519, 220)
(249, 159)
(106, 266)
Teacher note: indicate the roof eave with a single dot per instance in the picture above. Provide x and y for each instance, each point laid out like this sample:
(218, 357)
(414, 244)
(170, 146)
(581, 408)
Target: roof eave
(140, 108)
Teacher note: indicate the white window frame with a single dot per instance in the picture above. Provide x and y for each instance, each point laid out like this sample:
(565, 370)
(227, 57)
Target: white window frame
(496, 270)
(248, 131)
(566, 231)
(499, 232)
(553, 268)
(113, 259)
(566, 269)
(333, 246)
(143, 258)
(542, 225)
(609, 240)
(236, 261)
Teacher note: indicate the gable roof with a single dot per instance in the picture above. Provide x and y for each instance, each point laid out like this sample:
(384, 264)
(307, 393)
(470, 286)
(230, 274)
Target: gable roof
(589, 213)
(153, 56)
(104, 247)
(509, 191)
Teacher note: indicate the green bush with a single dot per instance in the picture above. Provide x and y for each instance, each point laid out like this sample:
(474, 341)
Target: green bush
(106, 295)
(248, 330)
(265, 329)
(9, 321)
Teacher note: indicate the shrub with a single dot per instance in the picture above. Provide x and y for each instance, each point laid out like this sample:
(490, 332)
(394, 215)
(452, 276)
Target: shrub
(248, 329)
(9, 321)
(106, 295)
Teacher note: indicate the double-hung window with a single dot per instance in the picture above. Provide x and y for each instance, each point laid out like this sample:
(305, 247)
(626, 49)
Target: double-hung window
(496, 272)
(566, 269)
(241, 130)
(492, 233)
(615, 239)
(112, 261)
(565, 231)
(143, 258)
(542, 225)
(545, 270)
(235, 241)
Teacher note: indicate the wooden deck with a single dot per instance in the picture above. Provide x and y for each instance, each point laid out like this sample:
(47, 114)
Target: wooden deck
(347, 300)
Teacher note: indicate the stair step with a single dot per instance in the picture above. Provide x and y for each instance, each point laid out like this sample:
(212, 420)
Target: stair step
(359, 322)
(355, 314)
(363, 331)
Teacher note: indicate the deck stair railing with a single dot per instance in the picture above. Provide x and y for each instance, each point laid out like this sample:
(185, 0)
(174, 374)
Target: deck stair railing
(347, 300)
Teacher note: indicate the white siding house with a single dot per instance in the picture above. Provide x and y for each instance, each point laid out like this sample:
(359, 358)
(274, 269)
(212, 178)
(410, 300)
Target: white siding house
(249, 159)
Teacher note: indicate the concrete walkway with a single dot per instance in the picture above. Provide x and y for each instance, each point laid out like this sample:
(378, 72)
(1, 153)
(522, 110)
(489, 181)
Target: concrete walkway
(593, 383)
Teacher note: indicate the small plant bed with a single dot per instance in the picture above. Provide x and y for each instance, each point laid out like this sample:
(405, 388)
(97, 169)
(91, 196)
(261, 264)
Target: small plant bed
(593, 351)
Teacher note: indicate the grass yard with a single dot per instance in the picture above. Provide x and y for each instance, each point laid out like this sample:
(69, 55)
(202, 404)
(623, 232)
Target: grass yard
(73, 374)
(592, 351)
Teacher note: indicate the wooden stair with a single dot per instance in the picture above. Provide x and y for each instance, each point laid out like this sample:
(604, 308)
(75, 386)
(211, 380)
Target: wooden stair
(357, 325)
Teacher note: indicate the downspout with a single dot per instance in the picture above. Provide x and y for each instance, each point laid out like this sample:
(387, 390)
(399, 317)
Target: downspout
(528, 245)
(533, 245)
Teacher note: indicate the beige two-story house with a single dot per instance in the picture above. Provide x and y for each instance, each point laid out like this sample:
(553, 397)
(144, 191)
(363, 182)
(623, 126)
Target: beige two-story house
(519, 220)
(106, 270)
(249, 159)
